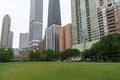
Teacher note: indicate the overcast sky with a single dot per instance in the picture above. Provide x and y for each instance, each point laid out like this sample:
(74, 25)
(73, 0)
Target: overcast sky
(19, 11)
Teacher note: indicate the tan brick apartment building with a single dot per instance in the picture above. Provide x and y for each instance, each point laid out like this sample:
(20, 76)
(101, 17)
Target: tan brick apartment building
(65, 37)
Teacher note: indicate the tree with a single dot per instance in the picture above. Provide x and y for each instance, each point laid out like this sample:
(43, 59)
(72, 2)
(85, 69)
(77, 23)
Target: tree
(76, 53)
(37, 55)
(86, 54)
(107, 48)
(6, 54)
(32, 56)
(69, 53)
(50, 55)
(43, 57)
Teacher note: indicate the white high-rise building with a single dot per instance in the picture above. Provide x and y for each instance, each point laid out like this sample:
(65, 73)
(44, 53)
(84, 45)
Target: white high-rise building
(52, 37)
(23, 41)
(5, 32)
(85, 23)
(36, 23)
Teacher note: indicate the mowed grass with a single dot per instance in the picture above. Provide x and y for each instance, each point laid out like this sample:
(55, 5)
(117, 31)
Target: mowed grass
(59, 71)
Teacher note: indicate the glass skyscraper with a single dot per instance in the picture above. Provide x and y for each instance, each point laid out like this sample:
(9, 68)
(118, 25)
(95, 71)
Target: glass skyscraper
(36, 23)
(54, 16)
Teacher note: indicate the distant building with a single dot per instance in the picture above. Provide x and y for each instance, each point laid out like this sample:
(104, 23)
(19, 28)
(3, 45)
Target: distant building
(52, 37)
(36, 23)
(23, 41)
(42, 45)
(23, 56)
(10, 39)
(5, 32)
(65, 37)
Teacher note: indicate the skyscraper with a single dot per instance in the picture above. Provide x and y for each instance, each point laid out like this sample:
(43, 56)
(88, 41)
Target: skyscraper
(36, 23)
(23, 41)
(54, 15)
(10, 41)
(5, 32)
(85, 23)
(54, 24)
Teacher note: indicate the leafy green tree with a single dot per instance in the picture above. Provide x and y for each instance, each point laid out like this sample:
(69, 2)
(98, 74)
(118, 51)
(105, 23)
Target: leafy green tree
(57, 56)
(43, 57)
(69, 53)
(63, 56)
(6, 54)
(106, 47)
(86, 54)
(76, 53)
(32, 56)
(37, 55)
(50, 54)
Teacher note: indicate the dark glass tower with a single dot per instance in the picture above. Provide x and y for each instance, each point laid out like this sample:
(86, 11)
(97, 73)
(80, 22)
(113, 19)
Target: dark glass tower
(54, 16)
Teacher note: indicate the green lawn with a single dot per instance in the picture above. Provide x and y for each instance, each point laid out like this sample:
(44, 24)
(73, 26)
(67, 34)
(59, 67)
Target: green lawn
(59, 71)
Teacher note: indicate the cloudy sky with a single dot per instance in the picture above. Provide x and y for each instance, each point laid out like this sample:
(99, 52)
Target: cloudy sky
(19, 11)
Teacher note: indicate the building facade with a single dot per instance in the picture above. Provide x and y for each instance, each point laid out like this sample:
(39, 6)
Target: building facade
(86, 23)
(42, 45)
(52, 37)
(10, 41)
(113, 17)
(5, 32)
(76, 22)
(23, 41)
(65, 37)
(54, 14)
(36, 23)
(105, 30)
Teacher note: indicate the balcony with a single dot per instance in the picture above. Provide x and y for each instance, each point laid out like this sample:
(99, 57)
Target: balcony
(111, 23)
(111, 19)
(110, 16)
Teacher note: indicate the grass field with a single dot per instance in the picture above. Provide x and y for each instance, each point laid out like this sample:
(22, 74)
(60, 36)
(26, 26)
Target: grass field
(59, 71)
